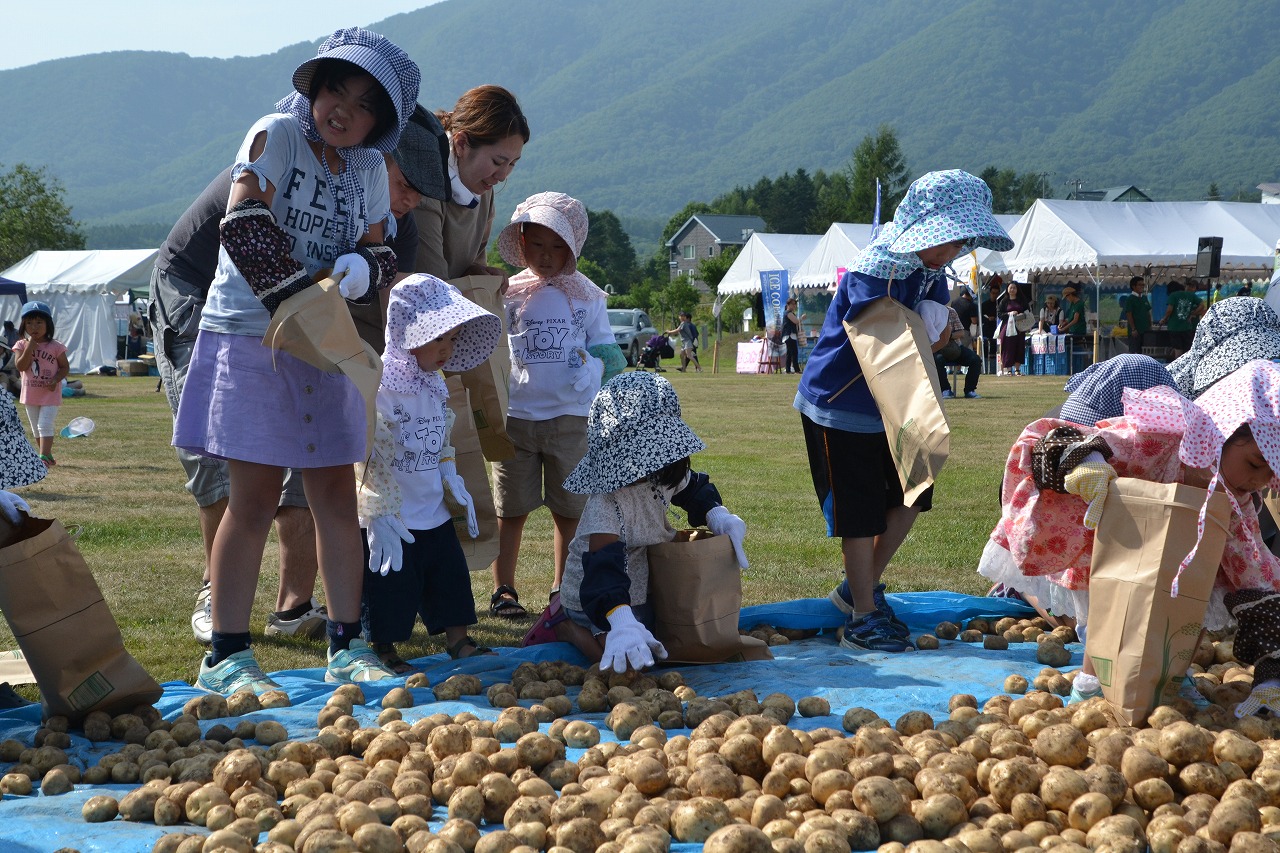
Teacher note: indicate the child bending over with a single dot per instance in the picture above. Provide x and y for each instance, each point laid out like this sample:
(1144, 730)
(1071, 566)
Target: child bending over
(635, 468)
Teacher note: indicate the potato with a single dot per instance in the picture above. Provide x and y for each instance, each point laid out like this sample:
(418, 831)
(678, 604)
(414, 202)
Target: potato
(927, 642)
(947, 630)
(1052, 652)
(99, 809)
(738, 839)
(237, 768)
(1062, 744)
(695, 820)
(939, 814)
(269, 732)
(813, 706)
(55, 782)
(1231, 817)
(1015, 684)
(139, 805)
(878, 798)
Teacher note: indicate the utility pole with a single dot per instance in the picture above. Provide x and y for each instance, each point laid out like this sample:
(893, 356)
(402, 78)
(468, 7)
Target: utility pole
(1074, 182)
(1044, 183)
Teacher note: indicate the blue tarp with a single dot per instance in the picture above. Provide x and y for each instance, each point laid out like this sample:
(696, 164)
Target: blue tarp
(889, 684)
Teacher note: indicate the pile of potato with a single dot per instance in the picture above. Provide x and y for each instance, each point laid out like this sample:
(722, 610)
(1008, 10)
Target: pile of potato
(1017, 774)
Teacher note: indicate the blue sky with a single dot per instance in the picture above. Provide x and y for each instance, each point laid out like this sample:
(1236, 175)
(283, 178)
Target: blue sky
(195, 27)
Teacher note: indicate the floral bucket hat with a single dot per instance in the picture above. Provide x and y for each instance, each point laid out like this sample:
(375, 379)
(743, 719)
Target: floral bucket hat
(1232, 333)
(562, 213)
(422, 308)
(20, 465)
(941, 207)
(634, 429)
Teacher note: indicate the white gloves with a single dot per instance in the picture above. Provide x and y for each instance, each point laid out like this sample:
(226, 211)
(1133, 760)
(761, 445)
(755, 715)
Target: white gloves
(591, 374)
(628, 643)
(354, 270)
(458, 489)
(10, 504)
(724, 523)
(386, 554)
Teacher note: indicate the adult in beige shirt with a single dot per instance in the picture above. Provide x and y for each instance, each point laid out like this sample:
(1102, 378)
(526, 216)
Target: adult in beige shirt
(485, 132)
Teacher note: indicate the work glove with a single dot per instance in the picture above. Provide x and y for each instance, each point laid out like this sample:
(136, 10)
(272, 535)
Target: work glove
(458, 489)
(354, 272)
(724, 523)
(10, 504)
(628, 643)
(590, 374)
(1090, 481)
(1265, 695)
(386, 554)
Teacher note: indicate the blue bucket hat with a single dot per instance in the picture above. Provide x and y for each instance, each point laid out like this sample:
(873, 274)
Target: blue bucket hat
(939, 207)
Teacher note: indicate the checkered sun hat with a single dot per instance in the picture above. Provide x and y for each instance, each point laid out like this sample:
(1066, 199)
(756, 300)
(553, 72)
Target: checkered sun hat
(1097, 392)
(562, 213)
(422, 308)
(380, 57)
(633, 430)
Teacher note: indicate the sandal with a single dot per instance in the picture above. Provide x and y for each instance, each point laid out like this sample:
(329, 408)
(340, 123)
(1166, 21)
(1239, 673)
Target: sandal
(455, 651)
(391, 659)
(47, 460)
(505, 604)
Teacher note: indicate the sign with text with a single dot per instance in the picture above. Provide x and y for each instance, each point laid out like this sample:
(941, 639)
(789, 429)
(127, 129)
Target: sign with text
(773, 290)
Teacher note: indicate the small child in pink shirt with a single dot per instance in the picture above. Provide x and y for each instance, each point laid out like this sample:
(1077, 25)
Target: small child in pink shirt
(42, 361)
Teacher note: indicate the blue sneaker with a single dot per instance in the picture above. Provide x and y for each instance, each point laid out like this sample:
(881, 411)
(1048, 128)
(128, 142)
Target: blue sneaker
(843, 600)
(237, 672)
(948, 394)
(356, 664)
(873, 632)
(972, 395)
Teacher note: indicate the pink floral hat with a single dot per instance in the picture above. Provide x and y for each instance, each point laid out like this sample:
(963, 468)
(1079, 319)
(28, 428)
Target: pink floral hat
(562, 213)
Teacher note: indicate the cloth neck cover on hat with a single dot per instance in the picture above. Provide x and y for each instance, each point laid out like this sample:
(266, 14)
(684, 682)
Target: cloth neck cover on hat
(392, 65)
(1249, 395)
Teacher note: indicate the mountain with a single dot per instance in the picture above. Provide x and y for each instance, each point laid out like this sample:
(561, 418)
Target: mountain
(640, 107)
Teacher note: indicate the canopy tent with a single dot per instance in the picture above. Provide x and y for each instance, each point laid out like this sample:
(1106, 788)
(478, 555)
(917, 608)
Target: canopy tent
(766, 252)
(81, 288)
(12, 296)
(1114, 241)
(984, 260)
(835, 249)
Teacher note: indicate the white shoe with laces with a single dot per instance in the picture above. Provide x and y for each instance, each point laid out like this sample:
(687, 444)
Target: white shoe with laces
(202, 617)
(310, 624)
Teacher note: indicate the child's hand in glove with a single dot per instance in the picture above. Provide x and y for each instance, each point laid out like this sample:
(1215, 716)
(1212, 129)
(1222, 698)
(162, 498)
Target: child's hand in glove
(724, 523)
(386, 554)
(458, 489)
(590, 374)
(1090, 480)
(10, 504)
(628, 643)
(354, 270)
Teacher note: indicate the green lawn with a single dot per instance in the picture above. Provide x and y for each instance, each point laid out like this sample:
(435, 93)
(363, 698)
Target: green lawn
(123, 488)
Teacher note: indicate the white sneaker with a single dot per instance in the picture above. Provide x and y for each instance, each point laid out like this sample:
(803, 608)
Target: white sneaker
(310, 624)
(202, 617)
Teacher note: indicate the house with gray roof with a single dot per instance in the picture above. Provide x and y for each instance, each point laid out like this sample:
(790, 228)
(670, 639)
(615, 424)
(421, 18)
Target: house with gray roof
(706, 235)
(1125, 193)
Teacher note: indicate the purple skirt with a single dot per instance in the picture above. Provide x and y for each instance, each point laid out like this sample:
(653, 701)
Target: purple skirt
(244, 401)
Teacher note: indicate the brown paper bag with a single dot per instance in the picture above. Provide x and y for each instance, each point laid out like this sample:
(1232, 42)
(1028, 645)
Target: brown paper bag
(64, 628)
(487, 384)
(316, 327)
(1139, 637)
(695, 588)
(483, 550)
(891, 344)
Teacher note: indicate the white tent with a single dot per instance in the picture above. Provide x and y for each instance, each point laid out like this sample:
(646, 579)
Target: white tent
(1112, 240)
(766, 252)
(81, 289)
(986, 260)
(837, 248)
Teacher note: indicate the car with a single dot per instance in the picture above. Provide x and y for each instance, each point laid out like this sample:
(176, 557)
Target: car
(632, 329)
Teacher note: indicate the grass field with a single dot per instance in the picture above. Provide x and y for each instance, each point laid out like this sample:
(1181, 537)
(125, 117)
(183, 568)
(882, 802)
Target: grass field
(123, 488)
